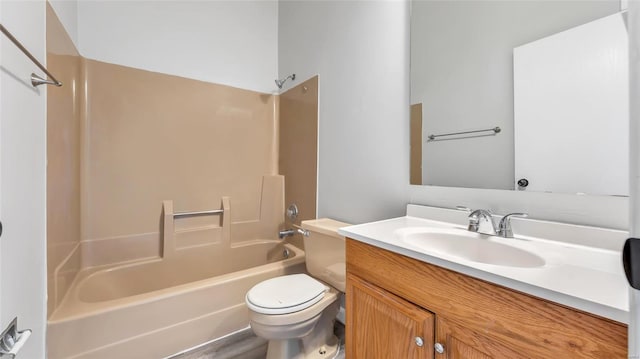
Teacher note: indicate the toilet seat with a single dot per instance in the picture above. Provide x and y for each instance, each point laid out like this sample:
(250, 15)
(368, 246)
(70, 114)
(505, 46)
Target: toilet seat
(285, 294)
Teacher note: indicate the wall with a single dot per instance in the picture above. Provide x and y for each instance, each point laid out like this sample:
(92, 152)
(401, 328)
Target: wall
(23, 175)
(63, 161)
(363, 60)
(226, 42)
(360, 52)
(466, 82)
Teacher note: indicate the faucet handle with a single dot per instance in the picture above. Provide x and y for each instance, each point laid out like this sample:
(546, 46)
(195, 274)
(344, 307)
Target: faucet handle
(504, 227)
(522, 215)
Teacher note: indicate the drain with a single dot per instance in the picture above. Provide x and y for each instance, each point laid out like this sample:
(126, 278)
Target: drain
(286, 253)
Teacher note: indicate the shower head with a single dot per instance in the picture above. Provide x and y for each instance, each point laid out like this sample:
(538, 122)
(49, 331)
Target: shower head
(280, 83)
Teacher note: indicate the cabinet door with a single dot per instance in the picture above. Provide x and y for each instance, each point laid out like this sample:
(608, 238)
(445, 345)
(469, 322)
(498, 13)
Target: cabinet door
(459, 342)
(381, 325)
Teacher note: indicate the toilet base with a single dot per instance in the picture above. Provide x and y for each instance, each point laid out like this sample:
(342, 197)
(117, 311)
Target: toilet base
(321, 343)
(292, 349)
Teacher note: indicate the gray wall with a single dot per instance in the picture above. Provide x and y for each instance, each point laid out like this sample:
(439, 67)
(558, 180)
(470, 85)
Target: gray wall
(359, 49)
(462, 72)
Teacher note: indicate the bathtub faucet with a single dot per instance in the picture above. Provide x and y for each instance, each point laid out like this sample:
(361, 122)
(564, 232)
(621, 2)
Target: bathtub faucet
(291, 232)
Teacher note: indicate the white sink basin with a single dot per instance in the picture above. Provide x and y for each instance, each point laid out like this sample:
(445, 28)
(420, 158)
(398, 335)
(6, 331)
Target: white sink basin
(469, 246)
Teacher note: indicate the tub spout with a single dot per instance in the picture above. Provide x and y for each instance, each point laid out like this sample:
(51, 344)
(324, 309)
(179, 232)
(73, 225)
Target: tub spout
(290, 232)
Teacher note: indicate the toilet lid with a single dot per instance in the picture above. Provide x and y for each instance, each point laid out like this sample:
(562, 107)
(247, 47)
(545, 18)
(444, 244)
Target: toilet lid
(285, 294)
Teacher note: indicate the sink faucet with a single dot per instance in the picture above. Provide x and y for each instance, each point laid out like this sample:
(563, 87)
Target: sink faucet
(480, 216)
(504, 227)
(476, 220)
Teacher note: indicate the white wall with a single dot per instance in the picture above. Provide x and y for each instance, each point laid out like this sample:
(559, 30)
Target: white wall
(67, 12)
(23, 175)
(226, 42)
(360, 50)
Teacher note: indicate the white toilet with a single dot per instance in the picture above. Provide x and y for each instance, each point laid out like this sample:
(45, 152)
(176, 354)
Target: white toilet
(296, 312)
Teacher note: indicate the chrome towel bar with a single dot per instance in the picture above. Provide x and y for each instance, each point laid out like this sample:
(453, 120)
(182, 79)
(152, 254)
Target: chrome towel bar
(198, 213)
(495, 130)
(35, 79)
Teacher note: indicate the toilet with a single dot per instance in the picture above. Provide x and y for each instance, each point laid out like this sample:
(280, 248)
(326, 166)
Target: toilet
(296, 313)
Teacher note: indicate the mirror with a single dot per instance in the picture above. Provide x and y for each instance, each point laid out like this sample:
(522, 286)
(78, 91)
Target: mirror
(520, 95)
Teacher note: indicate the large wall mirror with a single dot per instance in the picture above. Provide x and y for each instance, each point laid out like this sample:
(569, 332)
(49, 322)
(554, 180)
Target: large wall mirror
(520, 95)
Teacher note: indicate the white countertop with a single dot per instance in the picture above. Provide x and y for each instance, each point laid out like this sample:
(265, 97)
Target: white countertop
(587, 278)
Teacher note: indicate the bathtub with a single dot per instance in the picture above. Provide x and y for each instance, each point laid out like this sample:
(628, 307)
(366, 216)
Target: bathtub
(155, 308)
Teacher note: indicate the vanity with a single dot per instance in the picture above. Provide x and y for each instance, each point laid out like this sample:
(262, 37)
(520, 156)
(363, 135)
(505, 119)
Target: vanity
(423, 286)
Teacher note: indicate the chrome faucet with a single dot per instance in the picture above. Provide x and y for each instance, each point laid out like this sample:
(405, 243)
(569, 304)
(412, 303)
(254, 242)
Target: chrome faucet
(476, 220)
(290, 232)
(504, 227)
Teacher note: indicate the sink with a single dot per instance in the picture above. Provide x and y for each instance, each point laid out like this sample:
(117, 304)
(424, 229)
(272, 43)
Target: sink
(469, 246)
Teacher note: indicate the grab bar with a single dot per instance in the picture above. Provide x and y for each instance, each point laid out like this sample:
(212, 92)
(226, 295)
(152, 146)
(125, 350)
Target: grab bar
(495, 130)
(197, 213)
(35, 79)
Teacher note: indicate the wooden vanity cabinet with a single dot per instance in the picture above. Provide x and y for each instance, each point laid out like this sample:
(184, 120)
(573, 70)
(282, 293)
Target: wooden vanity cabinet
(392, 299)
(388, 326)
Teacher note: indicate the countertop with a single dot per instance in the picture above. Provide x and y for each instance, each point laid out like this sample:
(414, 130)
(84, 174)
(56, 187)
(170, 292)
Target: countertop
(583, 277)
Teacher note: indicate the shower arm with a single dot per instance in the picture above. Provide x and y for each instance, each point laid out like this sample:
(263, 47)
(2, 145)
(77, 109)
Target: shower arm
(280, 83)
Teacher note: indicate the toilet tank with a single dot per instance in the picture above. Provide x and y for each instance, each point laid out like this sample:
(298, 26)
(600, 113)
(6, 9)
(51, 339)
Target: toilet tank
(324, 251)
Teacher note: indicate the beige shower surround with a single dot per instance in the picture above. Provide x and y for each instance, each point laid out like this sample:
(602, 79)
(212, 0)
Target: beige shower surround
(138, 138)
(63, 160)
(298, 163)
(151, 137)
(193, 293)
(184, 238)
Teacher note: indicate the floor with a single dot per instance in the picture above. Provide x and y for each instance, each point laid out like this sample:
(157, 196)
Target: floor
(243, 345)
